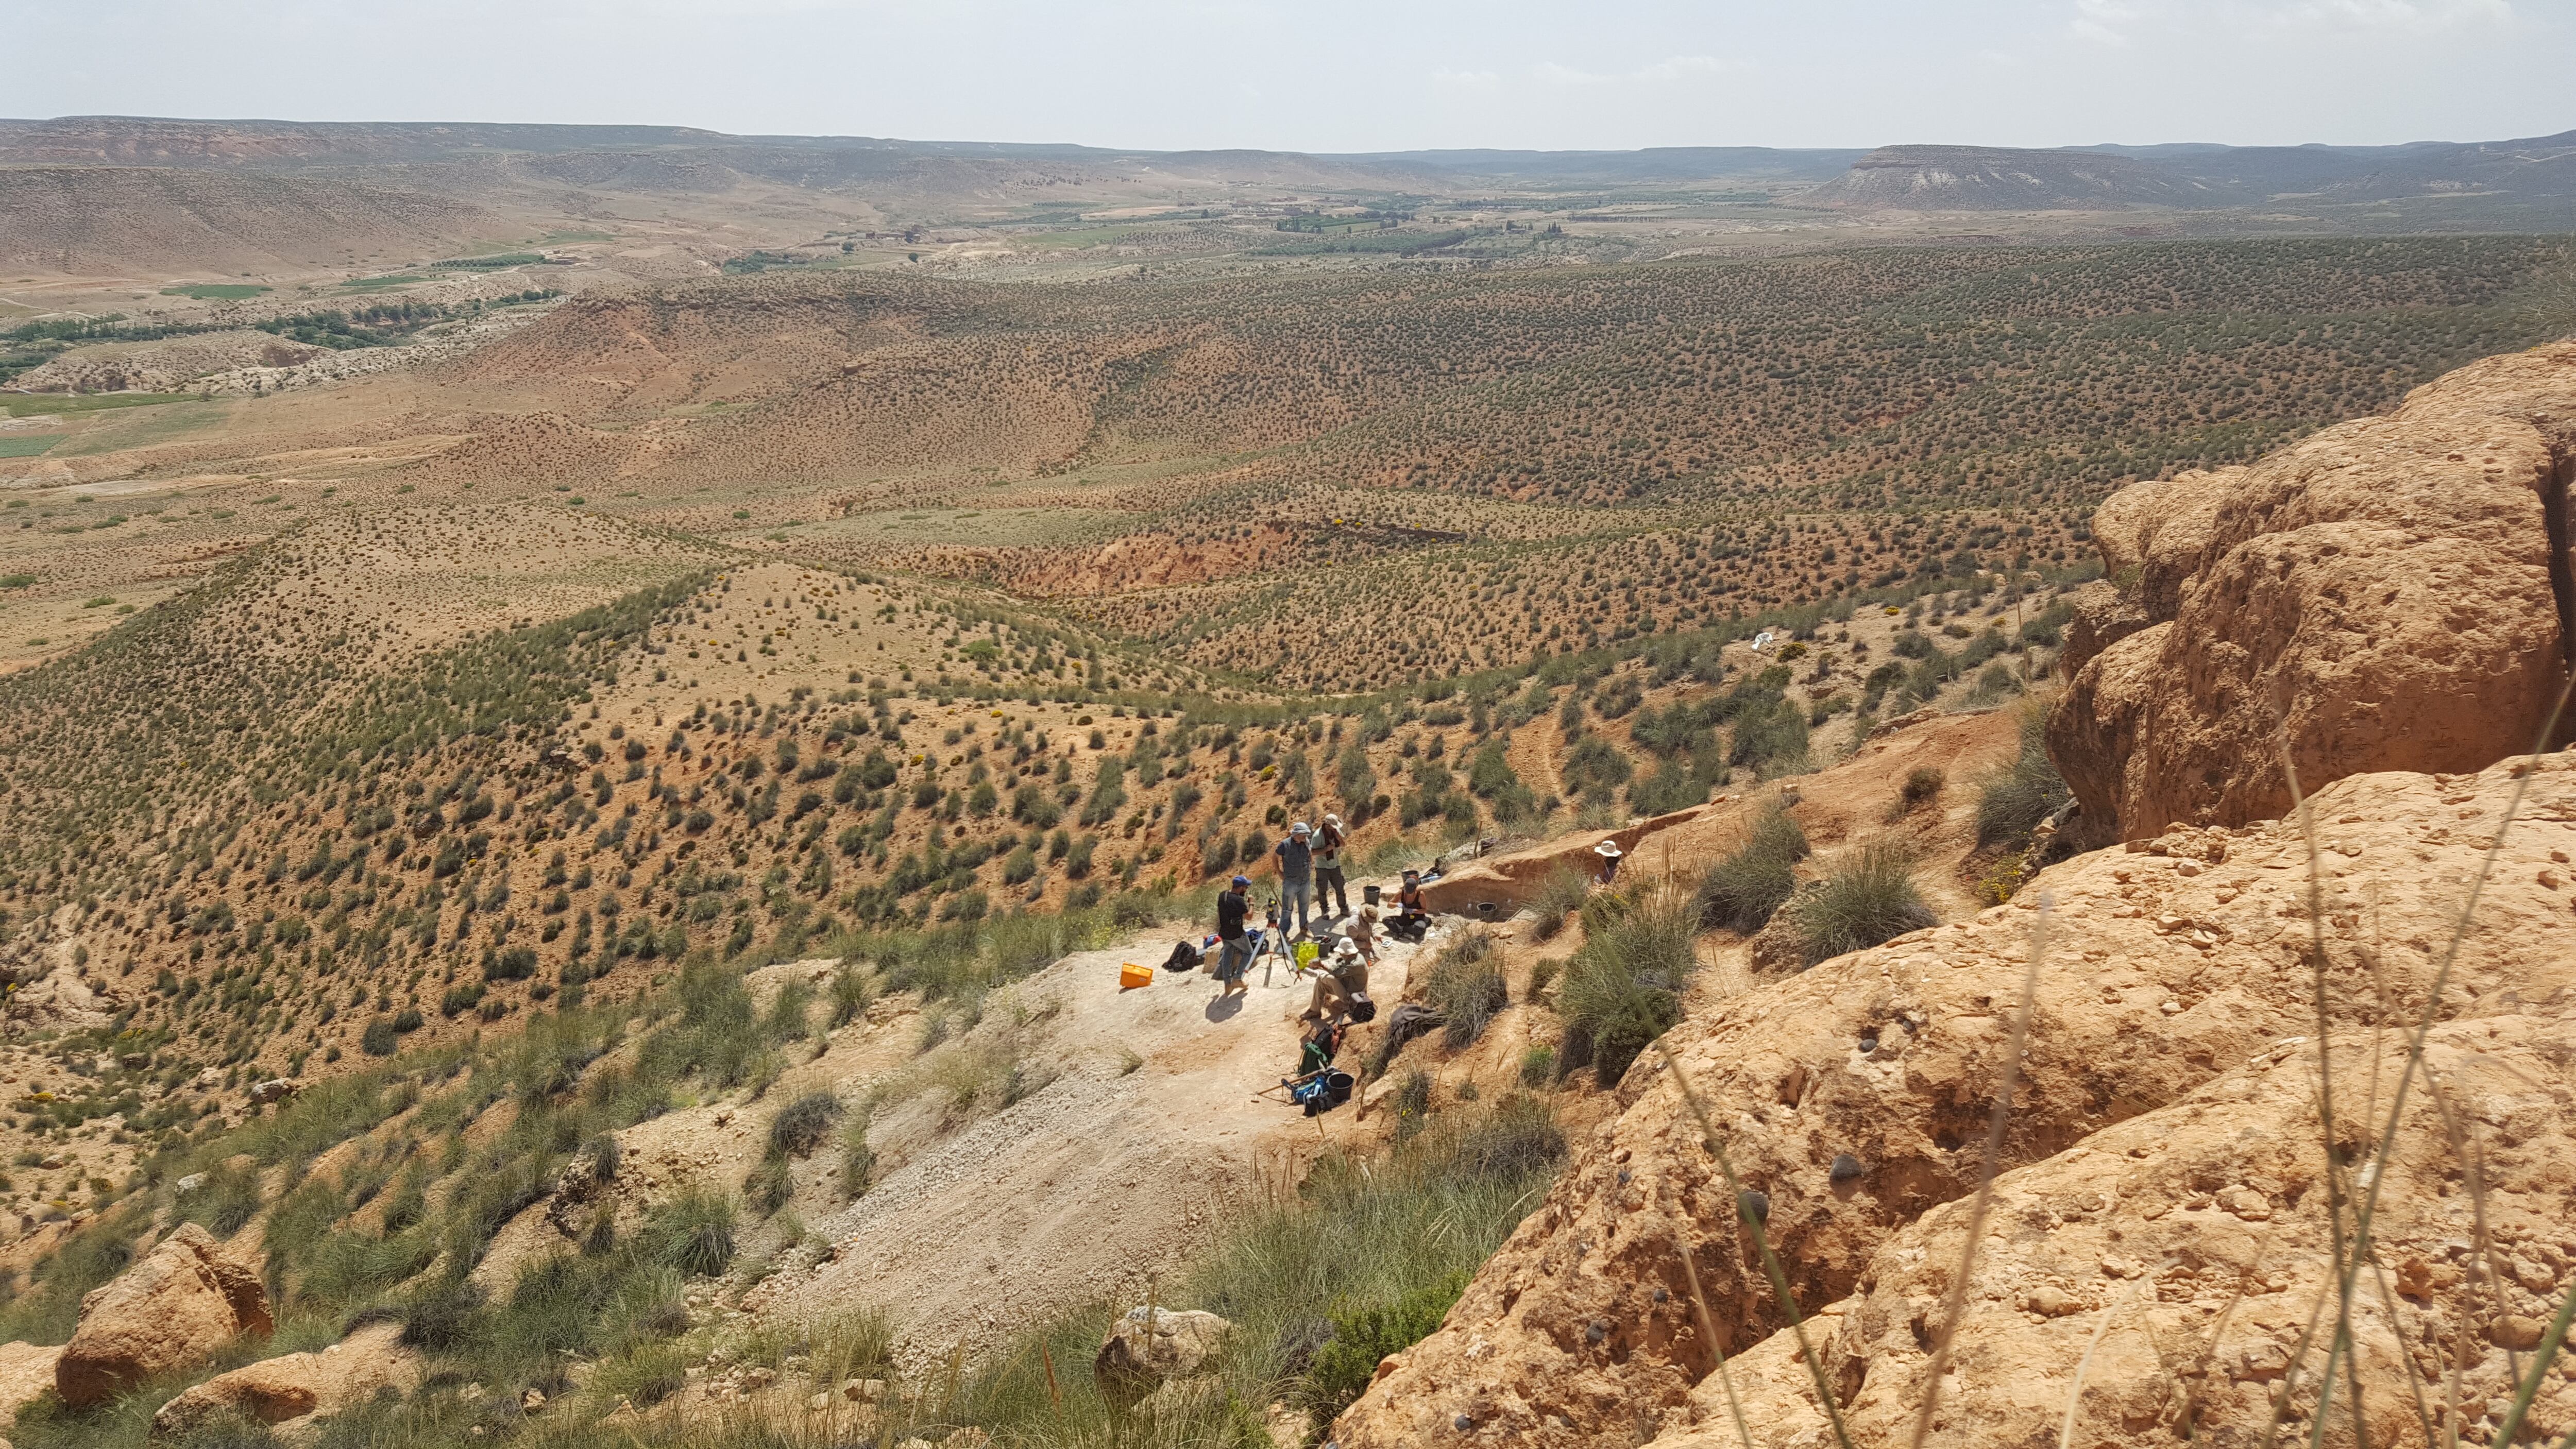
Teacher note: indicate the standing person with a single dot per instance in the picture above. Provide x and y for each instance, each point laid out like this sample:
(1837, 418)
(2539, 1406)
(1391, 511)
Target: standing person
(1296, 875)
(1328, 868)
(1234, 951)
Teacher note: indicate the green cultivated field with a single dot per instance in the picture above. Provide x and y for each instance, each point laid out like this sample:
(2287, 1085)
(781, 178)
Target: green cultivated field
(214, 291)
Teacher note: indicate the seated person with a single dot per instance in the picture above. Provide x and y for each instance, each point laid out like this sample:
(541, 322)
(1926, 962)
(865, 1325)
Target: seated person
(1363, 933)
(1412, 917)
(1609, 852)
(1345, 975)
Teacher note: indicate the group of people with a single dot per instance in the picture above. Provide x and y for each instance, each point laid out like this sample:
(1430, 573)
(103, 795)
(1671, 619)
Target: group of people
(1314, 907)
(1313, 887)
(1313, 890)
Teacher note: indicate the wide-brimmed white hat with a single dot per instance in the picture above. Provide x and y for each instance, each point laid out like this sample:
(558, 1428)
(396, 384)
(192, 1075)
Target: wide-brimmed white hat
(1333, 820)
(1300, 828)
(1347, 947)
(1609, 848)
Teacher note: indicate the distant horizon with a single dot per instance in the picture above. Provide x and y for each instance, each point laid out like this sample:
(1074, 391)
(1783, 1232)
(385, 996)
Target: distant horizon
(1394, 151)
(1342, 77)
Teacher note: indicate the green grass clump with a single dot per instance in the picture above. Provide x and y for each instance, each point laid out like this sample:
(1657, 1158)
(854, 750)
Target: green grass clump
(1466, 987)
(1870, 899)
(1623, 988)
(2013, 801)
(1741, 892)
(1560, 894)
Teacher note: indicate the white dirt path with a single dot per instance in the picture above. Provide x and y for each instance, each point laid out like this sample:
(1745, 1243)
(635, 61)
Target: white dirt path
(1104, 1181)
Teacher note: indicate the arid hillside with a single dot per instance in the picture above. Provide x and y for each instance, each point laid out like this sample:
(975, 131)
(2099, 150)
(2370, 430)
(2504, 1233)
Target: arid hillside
(151, 222)
(600, 801)
(1253, 473)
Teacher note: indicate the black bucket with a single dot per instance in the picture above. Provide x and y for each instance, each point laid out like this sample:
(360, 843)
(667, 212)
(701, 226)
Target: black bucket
(1488, 910)
(1368, 895)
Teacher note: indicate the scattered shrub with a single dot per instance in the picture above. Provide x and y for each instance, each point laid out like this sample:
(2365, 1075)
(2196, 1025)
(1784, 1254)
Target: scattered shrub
(1365, 1335)
(1538, 1065)
(804, 1124)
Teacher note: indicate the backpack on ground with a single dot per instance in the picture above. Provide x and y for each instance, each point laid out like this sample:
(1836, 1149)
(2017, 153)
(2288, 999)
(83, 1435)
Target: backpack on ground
(1184, 957)
(1323, 1091)
(1361, 1008)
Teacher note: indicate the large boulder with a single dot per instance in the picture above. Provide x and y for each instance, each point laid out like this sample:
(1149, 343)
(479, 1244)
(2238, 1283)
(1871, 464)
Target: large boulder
(2392, 593)
(297, 1389)
(1149, 1347)
(186, 1299)
(1854, 1096)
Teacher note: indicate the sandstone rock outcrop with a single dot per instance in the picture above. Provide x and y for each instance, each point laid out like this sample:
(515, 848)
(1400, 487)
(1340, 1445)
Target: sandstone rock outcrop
(26, 1372)
(183, 1301)
(2186, 1250)
(297, 1389)
(1149, 1347)
(2165, 966)
(2392, 593)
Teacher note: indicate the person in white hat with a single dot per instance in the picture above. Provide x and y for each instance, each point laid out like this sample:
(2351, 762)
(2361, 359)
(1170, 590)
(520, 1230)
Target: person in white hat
(1328, 868)
(1343, 980)
(1609, 852)
(1296, 875)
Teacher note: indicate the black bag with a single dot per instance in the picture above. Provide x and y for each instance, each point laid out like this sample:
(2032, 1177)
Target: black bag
(1184, 957)
(1362, 1009)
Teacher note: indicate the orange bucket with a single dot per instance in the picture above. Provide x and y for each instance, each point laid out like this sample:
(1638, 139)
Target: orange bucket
(1131, 976)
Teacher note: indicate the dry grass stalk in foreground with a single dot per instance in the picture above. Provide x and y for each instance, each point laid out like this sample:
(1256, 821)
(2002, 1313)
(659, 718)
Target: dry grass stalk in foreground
(1995, 1125)
(1755, 1213)
(2355, 1250)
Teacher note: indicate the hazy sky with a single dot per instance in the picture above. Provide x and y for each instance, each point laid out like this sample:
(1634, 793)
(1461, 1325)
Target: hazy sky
(1336, 75)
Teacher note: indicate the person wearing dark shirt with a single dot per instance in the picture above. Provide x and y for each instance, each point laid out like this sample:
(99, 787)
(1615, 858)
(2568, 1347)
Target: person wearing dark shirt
(1234, 954)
